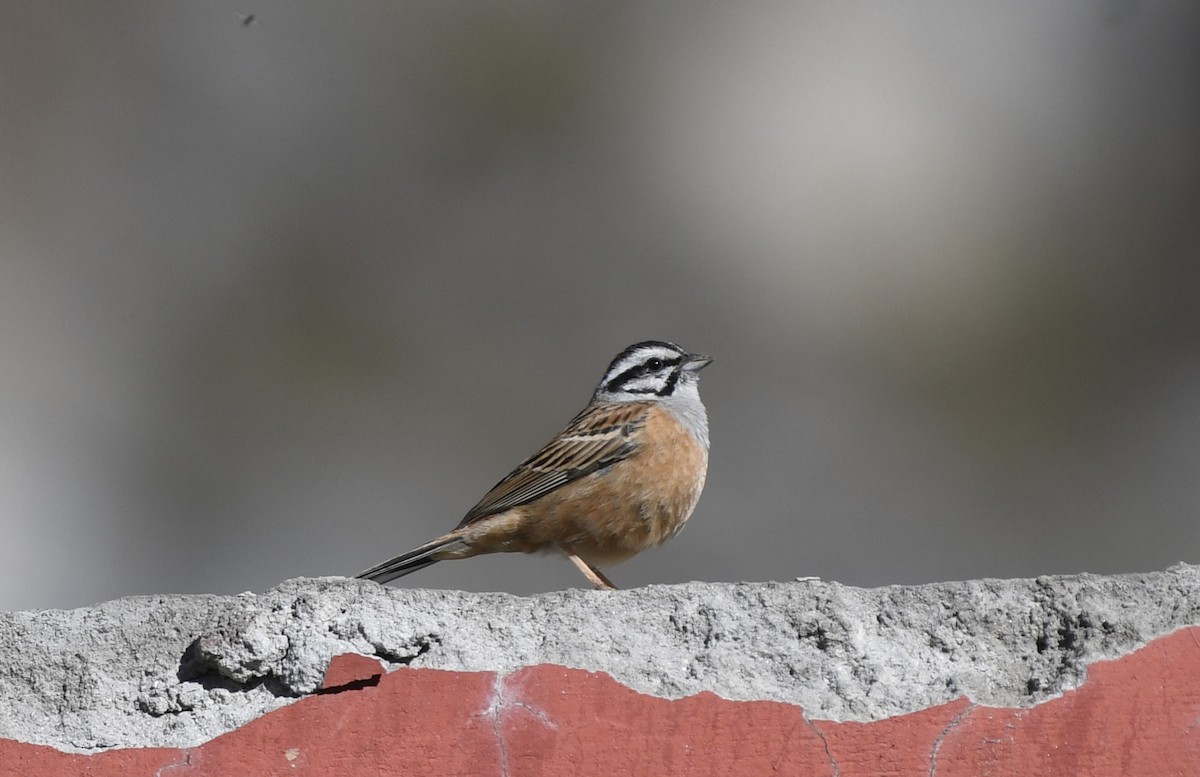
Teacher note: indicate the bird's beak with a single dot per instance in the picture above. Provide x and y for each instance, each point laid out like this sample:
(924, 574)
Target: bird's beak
(696, 362)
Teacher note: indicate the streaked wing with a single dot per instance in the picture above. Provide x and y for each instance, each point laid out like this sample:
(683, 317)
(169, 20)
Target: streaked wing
(599, 436)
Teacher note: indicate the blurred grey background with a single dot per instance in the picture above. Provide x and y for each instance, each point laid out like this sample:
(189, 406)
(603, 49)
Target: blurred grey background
(284, 295)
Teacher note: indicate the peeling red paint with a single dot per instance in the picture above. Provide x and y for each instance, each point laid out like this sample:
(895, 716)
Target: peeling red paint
(1136, 716)
(565, 721)
(351, 669)
(1139, 715)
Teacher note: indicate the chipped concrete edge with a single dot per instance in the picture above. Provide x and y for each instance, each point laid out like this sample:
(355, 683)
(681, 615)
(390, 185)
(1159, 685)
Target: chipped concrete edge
(176, 671)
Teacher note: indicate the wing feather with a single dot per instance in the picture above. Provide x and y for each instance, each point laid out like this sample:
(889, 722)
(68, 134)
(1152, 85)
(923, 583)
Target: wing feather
(596, 438)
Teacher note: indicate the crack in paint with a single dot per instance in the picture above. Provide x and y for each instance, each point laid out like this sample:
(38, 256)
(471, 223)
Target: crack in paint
(937, 743)
(498, 705)
(187, 761)
(494, 710)
(787, 740)
(837, 770)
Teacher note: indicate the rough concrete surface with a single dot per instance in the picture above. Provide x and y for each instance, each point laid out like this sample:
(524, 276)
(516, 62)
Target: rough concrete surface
(175, 671)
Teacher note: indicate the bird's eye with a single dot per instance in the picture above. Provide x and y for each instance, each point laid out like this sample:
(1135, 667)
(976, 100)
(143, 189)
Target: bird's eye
(654, 365)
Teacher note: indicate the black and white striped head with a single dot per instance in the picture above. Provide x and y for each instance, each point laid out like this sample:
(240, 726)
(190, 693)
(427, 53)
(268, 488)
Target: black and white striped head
(652, 370)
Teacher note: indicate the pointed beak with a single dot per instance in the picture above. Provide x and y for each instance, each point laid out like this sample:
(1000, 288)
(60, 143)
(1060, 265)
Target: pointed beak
(696, 362)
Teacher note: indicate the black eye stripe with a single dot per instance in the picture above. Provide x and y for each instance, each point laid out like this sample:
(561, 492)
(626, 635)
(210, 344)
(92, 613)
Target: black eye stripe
(669, 387)
(624, 377)
(639, 370)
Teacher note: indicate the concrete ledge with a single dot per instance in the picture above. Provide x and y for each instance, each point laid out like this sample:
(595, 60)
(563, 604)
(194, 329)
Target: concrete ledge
(175, 672)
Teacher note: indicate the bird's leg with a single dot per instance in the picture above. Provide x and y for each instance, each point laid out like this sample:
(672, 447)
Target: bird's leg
(594, 576)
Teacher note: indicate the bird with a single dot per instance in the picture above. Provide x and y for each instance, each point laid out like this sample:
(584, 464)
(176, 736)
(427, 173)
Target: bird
(622, 477)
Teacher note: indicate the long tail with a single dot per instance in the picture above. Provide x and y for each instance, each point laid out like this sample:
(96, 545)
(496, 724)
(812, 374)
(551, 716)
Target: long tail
(406, 563)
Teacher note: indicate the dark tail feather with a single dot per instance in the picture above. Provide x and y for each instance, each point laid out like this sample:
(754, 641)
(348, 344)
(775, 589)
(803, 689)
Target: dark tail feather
(406, 563)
